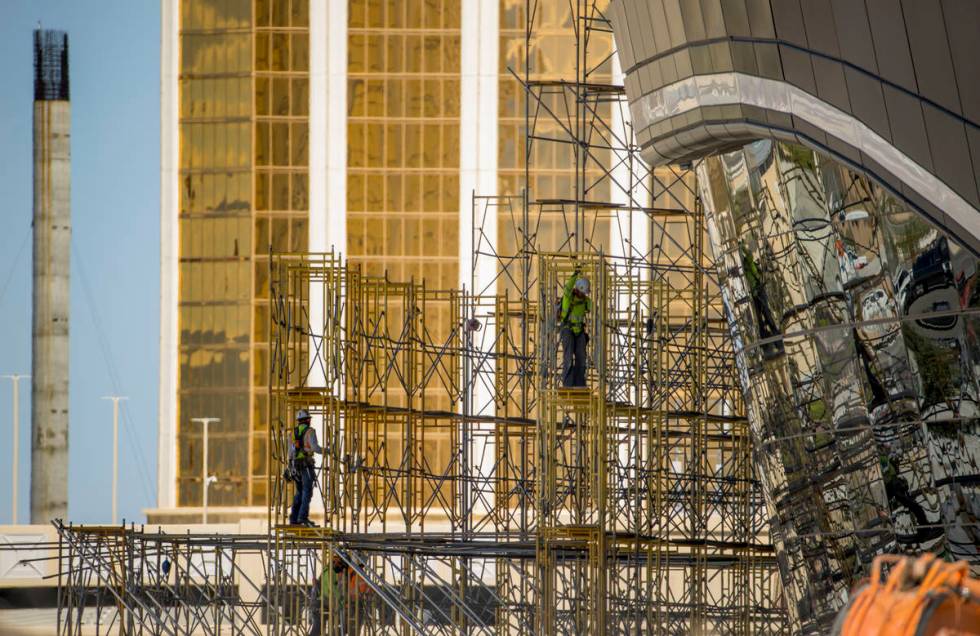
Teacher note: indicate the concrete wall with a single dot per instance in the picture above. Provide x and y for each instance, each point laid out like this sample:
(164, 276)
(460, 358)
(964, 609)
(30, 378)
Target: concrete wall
(28, 554)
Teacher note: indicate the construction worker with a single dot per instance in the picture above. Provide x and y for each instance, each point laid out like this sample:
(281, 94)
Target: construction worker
(575, 307)
(303, 468)
(348, 589)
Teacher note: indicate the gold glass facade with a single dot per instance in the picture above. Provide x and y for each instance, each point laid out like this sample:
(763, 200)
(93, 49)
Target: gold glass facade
(403, 149)
(403, 139)
(552, 158)
(281, 182)
(243, 95)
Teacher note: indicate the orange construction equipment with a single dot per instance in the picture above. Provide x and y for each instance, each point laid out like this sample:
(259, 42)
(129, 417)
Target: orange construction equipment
(922, 596)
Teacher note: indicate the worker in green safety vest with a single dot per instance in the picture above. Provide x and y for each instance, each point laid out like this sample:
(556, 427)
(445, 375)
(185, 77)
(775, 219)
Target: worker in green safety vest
(302, 468)
(350, 594)
(575, 308)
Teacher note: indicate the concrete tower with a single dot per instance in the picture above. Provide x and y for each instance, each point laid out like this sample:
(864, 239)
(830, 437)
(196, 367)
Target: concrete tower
(52, 253)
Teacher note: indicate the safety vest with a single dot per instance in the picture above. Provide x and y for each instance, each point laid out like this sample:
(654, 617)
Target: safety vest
(356, 588)
(298, 433)
(574, 309)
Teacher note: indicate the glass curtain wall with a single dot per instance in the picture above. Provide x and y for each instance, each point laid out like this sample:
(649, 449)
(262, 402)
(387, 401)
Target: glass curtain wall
(281, 182)
(552, 160)
(214, 251)
(855, 322)
(403, 150)
(244, 102)
(403, 139)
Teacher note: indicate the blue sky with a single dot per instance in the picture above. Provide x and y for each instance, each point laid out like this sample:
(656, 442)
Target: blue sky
(115, 285)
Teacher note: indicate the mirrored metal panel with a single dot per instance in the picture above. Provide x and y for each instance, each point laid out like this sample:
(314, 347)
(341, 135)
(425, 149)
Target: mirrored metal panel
(855, 323)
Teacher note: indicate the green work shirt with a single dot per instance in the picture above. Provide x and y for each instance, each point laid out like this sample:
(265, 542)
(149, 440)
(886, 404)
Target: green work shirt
(334, 580)
(574, 308)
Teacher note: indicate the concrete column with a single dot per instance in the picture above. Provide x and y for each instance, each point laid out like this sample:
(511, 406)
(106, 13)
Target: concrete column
(478, 125)
(169, 257)
(52, 256)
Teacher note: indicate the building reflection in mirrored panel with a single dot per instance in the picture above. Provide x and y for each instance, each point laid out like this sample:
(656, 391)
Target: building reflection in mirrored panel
(856, 326)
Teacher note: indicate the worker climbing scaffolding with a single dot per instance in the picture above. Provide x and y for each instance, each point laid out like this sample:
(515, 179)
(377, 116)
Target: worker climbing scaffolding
(575, 307)
(350, 593)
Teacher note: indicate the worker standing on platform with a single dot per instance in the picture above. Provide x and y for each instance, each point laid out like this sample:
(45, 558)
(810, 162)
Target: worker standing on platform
(575, 307)
(303, 468)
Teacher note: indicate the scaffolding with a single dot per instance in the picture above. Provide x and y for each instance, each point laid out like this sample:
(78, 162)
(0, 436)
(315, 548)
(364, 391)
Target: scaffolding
(126, 580)
(462, 488)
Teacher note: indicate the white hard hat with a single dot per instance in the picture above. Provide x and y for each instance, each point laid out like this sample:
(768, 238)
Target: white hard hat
(302, 415)
(582, 286)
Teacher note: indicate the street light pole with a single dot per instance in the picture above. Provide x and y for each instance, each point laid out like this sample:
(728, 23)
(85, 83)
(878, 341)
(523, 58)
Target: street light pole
(205, 481)
(210, 479)
(15, 378)
(115, 455)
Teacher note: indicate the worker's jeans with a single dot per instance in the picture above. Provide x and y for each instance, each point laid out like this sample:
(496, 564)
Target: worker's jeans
(304, 493)
(573, 357)
(315, 618)
(316, 624)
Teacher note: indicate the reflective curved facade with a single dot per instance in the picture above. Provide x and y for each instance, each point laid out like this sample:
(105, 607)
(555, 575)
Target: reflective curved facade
(856, 326)
(887, 86)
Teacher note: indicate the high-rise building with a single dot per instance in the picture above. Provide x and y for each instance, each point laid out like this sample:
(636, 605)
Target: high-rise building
(293, 126)
(235, 183)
